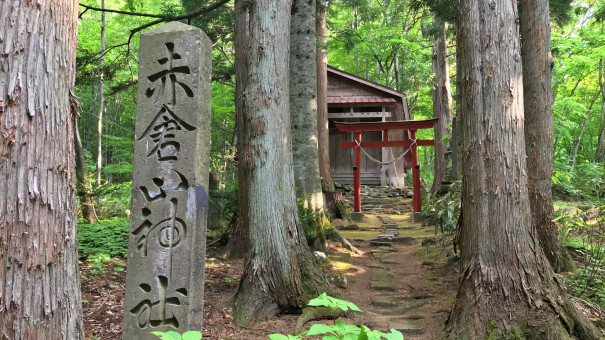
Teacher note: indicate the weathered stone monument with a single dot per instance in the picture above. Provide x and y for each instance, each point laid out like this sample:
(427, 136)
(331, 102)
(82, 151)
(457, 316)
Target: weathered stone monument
(167, 240)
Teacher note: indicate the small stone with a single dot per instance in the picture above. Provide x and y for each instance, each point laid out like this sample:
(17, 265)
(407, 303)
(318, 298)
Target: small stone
(406, 327)
(339, 280)
(320, 257)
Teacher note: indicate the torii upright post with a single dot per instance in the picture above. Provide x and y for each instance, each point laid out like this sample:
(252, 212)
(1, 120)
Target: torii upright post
(411, 125)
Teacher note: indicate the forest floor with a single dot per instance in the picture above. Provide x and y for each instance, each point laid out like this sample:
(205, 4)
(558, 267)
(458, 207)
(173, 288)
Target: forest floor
(403, 285)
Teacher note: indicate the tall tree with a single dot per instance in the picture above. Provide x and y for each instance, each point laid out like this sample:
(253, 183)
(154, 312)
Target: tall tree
(442, 100)
(303, 104)
(84, 186)
(39, 287)
(280, 273)
(537, 102)
(323, 132)
(507, 287)
(600, 153)
(101, 100)
(238, 242)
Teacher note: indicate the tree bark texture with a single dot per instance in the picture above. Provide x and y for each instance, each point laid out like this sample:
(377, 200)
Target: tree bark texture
(442, 101)
(323, 132)
(303, 104)
(238, 242)
(101, 101)
(84, 187)
(39, 277)
(507, 286)
(280, 273)
(538, 130)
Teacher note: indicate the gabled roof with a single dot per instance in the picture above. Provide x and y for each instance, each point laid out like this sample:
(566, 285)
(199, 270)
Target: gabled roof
(363, 81)
(359, 100)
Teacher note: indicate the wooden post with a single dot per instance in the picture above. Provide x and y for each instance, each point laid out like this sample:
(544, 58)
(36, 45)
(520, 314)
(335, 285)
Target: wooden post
(357, 174)
(415, 174)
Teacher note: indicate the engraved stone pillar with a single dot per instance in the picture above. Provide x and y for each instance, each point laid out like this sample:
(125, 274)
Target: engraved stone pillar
(167, 241)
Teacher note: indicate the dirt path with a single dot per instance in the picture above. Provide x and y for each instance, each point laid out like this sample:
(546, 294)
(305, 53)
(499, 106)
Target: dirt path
(398, 282)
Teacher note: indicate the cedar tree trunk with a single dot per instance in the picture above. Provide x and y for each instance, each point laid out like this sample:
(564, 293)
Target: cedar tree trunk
(303, 104)
(507, 287)
(84, 187)
(323, 133)
(280, 273)
(442, 101)
(101, 101)
(600, 154)
(39, 278)
(537, 100)
(238, 242)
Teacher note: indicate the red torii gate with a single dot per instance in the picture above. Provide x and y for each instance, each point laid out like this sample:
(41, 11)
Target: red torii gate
(410, 125)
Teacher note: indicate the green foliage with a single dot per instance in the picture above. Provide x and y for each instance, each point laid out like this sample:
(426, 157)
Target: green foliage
(587, 181)
(114, 199)
(333, 303)
(172, 335)
(340, 329)
(104, 240)
(444, 211)
(585, 232)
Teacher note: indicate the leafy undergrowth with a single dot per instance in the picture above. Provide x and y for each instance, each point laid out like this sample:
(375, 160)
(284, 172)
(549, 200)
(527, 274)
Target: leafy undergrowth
(104, 240)
(583, 231)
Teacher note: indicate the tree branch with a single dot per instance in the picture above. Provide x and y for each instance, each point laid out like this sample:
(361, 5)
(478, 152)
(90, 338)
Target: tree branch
(189, 15)
(120, 12)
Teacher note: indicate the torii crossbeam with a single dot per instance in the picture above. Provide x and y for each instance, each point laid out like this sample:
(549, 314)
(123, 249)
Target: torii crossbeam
(411, 125)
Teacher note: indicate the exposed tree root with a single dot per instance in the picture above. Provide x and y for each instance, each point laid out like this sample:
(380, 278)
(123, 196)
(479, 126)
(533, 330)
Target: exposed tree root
(318, 313)
(334, 235)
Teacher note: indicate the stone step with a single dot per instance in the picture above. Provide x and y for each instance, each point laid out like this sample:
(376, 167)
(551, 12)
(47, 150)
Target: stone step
(411, 305)
(406, 327)
(382, 279)
(385, 301)
(380, 243)
(388, 259)
(407, 240)
(394, 232)
(375, 265)
(387, 248)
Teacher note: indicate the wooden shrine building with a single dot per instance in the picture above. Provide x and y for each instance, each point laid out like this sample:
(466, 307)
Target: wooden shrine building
(354, 100)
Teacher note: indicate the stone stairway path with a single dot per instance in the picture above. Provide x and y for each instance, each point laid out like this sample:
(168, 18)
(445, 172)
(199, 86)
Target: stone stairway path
(394, 285)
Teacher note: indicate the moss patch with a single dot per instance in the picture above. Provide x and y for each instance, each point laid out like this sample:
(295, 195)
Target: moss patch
(340, 266)
(360, 234)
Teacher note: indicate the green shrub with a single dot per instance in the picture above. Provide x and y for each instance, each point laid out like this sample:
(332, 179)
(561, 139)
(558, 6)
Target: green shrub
(340, 329)
(105, 239)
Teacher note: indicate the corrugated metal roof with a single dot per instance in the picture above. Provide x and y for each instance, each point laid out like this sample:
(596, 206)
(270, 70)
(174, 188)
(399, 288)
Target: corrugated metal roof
(360, 100)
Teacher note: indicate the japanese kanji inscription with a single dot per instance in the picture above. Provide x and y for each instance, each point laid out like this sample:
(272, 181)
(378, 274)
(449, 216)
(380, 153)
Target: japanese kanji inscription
(166, 249)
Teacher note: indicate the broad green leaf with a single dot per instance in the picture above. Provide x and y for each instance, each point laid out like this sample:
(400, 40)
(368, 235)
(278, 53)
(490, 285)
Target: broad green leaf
(393, 335)
(320, 329)
(171, 335)
(321, 300)
(192, 335)
(278, 336)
